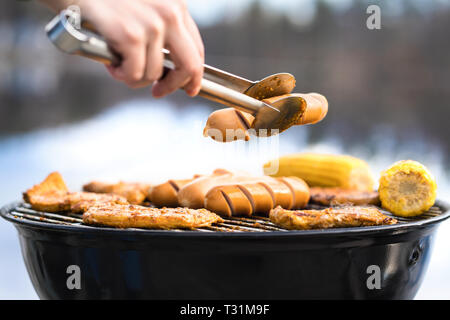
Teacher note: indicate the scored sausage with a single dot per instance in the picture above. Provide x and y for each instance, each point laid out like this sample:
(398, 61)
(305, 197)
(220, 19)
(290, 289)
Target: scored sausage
(193, 194)
(257, 197)
(166, 194)
(228, 125)
(300, 191)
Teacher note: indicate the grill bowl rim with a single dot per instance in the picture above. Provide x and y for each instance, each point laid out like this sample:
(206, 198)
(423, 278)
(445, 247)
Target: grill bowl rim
(5, 212)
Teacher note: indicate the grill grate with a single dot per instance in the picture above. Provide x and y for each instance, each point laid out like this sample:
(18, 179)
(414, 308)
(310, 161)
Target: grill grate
(230, 224)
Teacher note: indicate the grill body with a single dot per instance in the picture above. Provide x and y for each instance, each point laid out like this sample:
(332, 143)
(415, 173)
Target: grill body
(151, 264)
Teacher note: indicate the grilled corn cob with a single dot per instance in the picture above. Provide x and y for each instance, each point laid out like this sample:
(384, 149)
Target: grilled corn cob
(322, 170)
(407, 188)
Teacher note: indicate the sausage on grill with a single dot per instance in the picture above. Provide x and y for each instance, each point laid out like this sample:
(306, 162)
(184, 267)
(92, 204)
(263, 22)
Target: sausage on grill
(229, 124)
(258, 196)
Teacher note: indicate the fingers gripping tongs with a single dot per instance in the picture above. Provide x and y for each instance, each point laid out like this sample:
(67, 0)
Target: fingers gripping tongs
(216, 85)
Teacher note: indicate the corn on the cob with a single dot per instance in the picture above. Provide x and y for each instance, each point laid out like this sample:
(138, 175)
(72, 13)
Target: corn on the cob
(322, 170)
(407, 188)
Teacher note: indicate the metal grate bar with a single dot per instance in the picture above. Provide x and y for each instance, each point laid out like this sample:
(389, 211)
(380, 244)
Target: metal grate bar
(49, 215)
(75, 215)
(256, 221)
(220, 228)
(256, 224)
(42, 219)
(203, 229)
(242, 228)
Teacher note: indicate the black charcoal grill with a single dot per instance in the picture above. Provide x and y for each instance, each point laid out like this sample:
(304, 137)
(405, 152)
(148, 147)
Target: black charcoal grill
(241, 258)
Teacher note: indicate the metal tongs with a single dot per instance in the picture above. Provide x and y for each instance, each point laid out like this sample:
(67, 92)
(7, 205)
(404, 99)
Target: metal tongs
(217, 85)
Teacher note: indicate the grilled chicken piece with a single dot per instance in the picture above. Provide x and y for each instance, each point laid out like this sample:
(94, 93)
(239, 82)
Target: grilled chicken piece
(76, 202)
(339, 217)
(134, 216)
(135, 193)
(52, 195)
(49, 195)
(81, 201)
(48, 202)
(333, 196)
(53, 183)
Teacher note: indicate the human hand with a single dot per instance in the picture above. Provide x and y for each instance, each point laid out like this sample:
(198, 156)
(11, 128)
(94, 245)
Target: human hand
(138, 30)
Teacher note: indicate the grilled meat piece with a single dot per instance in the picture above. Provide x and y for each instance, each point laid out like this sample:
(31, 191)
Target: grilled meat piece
(82, 201)
(52, 195)
(48, 202)
(338, 217)
(53, 183)
(49, 195)
(333, 196)
(134, 216)
(135, 193)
